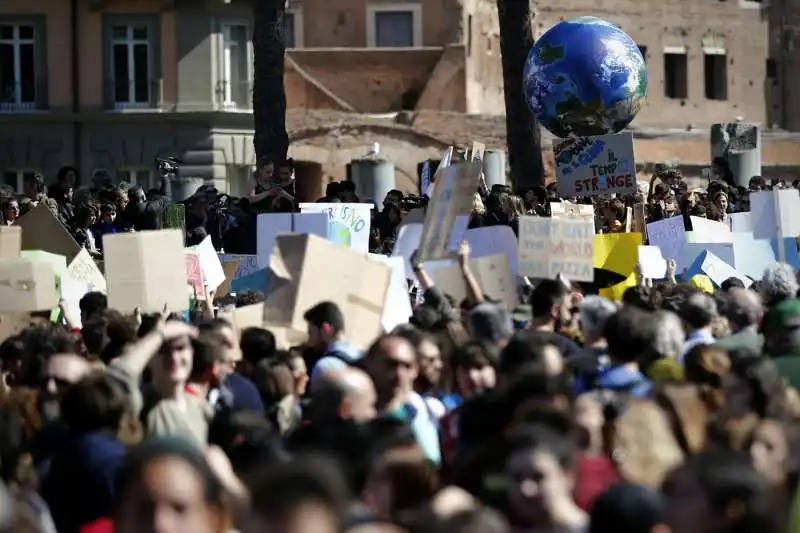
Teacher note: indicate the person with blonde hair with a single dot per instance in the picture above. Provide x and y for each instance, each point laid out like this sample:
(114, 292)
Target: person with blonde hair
(645, 448)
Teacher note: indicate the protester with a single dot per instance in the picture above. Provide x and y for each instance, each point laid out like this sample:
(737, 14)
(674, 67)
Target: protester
(543, 406)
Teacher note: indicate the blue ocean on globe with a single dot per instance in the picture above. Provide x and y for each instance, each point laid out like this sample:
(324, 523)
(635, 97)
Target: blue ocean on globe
(585, 77)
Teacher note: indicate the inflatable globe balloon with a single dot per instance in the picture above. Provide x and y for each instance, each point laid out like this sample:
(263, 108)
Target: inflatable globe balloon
(585, 77)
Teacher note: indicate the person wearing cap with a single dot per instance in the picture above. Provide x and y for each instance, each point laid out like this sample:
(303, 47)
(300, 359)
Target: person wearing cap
(326, 339)
(781, 328)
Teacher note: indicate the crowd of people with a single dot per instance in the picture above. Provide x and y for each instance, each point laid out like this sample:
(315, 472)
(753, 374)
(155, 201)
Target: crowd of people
(675, 409)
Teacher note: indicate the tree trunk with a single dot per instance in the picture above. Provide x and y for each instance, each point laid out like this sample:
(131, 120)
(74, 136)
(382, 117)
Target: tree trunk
(270, 141)
(522, 132)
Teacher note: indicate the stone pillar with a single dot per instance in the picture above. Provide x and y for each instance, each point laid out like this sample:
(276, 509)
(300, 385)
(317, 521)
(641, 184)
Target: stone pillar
(374, 178)
(740, 144)
(494, 168)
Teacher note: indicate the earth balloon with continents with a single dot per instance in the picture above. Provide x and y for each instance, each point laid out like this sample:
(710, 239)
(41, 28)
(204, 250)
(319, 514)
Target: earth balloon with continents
(585, 77)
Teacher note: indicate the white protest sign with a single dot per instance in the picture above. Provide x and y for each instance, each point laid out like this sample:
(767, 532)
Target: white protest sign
(591, 166)
(775, 213)
(348, 224)
(669, 235)
(719, 271)
(397, 310)
(706, 230)
(548, 247)
(741, 222)
(213, 275)
(83, 269)
(652, 263)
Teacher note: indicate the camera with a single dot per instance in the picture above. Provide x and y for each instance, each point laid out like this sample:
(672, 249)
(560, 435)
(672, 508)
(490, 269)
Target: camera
(168, 166)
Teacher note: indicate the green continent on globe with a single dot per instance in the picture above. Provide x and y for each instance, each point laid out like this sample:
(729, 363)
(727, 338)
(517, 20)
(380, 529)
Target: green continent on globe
(571, 111)
(550, 54)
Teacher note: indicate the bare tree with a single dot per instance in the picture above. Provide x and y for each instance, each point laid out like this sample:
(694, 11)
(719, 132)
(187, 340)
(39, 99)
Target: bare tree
(270, 141)
(522, 132)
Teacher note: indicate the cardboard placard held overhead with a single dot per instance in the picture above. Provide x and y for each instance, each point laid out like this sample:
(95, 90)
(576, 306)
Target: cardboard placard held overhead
(41, 230)
(146, 269)
(306, 270)
(452, 196)
(229, 267)
(444, 162)
(548, 247)
(27, 286)
(10, 242)
(83, 269)
(593, 166)
(492, 273)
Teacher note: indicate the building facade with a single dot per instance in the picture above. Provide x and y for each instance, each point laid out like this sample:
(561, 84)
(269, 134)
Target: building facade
(108, 85)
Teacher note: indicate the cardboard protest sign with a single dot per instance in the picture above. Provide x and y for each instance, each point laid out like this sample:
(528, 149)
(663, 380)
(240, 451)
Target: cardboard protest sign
(492, 273)
(146, 269)
(348, 224)
(548, 247)
(27, 286)
(452, 196)
(444, 162)
(83, 269)
(10, 242)
(229, 267)
(41, 230)
(306, 270)
(591, 166)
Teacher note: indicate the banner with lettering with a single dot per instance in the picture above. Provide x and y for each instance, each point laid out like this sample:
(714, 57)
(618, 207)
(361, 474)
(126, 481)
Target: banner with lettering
(348, 224)
(548, 247)
(593, 166)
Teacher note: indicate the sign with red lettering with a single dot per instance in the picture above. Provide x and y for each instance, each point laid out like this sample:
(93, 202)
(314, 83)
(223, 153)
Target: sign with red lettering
(595, 166)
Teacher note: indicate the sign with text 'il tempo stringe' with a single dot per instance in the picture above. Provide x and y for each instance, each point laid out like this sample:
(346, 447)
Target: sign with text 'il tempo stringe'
(548, 247)
(593, 166)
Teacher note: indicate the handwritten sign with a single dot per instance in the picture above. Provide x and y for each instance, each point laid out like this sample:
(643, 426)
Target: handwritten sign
(84, 270)
(348, 224)
(591, 166)
(669, 235)
(548, 247)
